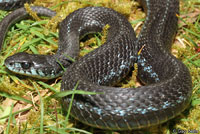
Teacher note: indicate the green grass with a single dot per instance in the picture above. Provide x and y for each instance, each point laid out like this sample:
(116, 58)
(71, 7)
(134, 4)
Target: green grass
(38, 101)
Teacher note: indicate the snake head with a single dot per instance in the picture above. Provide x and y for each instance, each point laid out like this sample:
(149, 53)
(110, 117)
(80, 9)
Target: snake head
(38, 66)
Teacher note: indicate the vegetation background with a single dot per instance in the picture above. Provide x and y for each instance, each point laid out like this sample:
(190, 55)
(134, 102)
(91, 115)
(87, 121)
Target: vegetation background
(26, 105)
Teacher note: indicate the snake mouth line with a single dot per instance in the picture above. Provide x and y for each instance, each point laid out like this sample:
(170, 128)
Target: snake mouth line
(32, 72)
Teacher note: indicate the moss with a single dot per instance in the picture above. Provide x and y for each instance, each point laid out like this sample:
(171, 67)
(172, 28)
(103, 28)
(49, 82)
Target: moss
(31, 12)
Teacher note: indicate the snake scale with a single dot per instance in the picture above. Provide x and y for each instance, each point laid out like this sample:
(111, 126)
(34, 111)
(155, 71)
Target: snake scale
(168, 87)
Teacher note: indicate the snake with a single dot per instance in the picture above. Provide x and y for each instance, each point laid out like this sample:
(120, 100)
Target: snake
(166, 82)
(12, 4)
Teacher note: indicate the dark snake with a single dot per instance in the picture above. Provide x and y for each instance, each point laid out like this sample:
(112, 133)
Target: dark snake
(168, 85)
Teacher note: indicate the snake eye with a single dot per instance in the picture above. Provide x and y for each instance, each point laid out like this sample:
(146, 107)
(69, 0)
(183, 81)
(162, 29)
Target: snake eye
(25, 65)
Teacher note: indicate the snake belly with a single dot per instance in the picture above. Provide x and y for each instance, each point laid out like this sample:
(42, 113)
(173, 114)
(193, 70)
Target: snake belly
(167, 89)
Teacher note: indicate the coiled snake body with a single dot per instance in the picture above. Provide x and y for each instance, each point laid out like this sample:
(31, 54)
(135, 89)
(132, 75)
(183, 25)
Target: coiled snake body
(168, 84)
